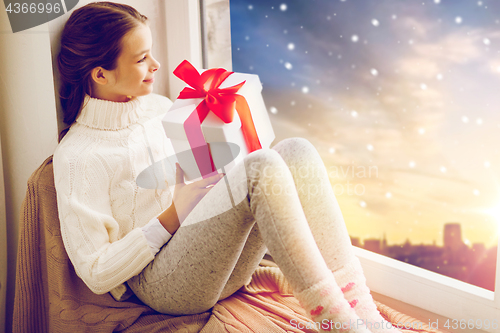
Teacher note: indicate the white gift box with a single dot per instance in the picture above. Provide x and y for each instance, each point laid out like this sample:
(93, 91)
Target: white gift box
(226, 141)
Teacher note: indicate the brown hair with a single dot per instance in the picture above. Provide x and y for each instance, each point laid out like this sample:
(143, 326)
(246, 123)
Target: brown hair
(92, 37)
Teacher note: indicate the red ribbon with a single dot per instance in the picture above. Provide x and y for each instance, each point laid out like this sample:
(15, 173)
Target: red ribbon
(222, 102)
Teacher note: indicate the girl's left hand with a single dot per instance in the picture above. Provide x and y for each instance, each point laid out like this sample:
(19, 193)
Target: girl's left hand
(187, 196)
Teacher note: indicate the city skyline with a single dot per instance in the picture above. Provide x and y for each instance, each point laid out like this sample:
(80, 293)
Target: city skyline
(359, 241)
(471, 263)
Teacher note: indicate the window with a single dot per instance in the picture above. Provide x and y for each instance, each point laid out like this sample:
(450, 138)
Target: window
(3, 241)
(398, 97)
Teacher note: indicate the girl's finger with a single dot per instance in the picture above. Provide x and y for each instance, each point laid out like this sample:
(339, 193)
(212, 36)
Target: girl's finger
(179, 174)
(210, 180)
(205, 191)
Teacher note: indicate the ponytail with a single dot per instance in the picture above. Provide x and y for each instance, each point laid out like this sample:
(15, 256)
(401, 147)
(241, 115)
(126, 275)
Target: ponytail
(71, 97)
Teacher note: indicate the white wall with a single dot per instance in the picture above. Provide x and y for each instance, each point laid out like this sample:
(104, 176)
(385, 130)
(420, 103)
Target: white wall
(27, 122)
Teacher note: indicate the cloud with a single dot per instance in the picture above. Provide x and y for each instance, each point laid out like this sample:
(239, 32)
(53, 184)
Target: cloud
(458, 47)
(419, 67)
(419, 27)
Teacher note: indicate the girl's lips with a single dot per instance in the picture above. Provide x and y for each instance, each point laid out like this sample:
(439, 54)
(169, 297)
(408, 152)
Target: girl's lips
(150, 80)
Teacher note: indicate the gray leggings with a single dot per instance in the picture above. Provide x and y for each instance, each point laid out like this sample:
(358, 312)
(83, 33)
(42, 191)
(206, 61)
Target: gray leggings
(280, 198)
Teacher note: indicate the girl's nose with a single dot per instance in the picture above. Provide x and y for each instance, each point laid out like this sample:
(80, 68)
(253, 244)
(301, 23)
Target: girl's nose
(156, 65)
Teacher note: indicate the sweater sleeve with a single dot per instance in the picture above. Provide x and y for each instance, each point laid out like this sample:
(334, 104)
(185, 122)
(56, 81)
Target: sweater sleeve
(156, 235)
(91, 235)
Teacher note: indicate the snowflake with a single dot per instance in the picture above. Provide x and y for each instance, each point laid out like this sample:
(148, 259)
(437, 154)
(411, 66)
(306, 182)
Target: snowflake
(288, 65)
(375, 22)
(458, 20)
(273, 110)
(354, 38)
(305, 89)
(291, 46)
(486, 41)
(374, 72)
(283, 7)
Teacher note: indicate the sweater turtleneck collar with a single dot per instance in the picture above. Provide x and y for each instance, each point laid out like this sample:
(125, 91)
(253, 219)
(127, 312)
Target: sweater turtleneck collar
(108, 115)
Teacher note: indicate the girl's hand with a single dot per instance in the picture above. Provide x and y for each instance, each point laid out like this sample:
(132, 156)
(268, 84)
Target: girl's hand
(186, 197)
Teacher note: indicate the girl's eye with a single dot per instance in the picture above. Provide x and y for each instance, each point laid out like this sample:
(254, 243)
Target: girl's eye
(142, 59)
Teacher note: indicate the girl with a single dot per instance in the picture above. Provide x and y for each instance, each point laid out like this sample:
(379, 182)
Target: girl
(180, 254)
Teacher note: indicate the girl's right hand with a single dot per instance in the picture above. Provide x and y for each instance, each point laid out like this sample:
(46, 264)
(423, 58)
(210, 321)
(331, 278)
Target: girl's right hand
(186, 197)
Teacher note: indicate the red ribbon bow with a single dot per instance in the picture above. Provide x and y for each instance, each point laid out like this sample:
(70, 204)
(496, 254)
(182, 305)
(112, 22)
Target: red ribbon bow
(221, 101)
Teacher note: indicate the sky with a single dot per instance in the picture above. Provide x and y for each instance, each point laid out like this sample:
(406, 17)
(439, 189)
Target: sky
(401, 99)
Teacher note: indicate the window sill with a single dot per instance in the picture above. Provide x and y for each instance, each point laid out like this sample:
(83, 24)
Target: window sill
(417, 313)
(427, 290)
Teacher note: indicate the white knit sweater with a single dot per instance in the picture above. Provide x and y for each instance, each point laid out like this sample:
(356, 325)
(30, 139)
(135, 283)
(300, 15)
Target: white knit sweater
(101, 208)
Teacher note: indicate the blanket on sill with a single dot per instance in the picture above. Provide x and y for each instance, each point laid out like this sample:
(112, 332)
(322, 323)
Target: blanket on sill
(50, 297)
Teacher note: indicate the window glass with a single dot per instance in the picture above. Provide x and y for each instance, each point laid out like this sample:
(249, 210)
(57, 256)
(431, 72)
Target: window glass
(401, 100)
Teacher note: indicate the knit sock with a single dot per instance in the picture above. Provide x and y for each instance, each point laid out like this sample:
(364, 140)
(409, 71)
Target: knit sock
(326, 306)
(352, 282)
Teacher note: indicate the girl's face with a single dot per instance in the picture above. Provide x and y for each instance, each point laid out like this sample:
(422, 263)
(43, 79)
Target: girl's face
(134, 74)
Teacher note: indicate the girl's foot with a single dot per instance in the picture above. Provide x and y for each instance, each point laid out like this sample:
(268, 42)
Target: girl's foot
(352, 282)
(326, 306)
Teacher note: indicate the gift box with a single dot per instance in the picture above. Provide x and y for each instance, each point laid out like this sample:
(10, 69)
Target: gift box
(217, 120)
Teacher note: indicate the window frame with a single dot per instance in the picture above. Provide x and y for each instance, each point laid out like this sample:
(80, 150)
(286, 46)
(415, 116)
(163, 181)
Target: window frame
(184, 39)
(403, 282)
(3, 246)
(188, 25)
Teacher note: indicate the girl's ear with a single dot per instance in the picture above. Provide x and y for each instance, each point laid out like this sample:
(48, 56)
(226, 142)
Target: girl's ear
(98, 76)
